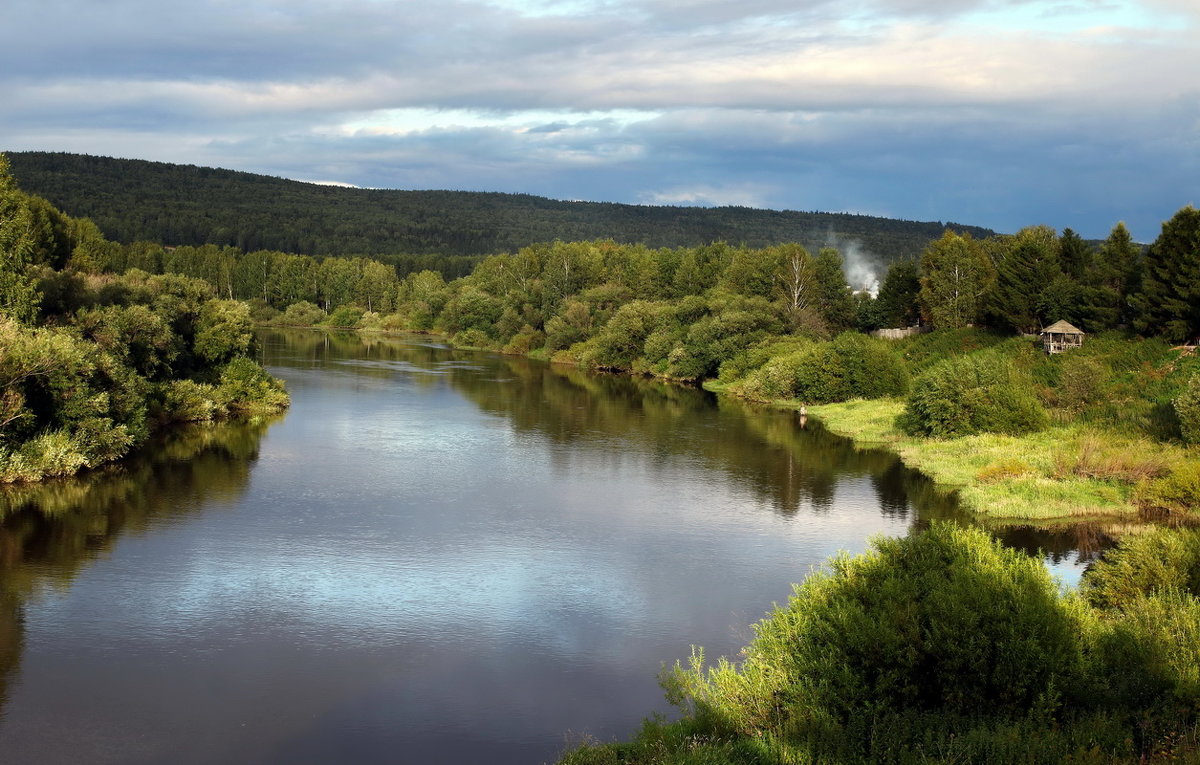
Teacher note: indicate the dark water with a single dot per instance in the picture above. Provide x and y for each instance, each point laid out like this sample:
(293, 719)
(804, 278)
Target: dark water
(436, 556)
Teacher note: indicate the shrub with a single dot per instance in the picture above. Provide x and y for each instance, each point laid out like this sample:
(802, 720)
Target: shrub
(1187, 409)
(524, 341)
(1176, 492)
(261, 312)
(301, 314)
(621, 340)
(53, 453)
(186, 401)
(1081, 382)
(471, 338)
(852, 366)
(223, 331)
(744, 362)
(344, 317)
(1151, 654)
(244, 386)
(1155, 561)
(947, 624)
(978, 393)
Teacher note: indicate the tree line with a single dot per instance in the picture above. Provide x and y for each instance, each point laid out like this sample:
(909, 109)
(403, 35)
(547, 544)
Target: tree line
(132, 200)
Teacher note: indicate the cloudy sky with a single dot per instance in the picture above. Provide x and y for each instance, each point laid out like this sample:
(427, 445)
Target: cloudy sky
(1001, 113)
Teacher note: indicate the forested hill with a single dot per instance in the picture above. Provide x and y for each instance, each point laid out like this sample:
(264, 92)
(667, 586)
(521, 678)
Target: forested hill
(135, 200)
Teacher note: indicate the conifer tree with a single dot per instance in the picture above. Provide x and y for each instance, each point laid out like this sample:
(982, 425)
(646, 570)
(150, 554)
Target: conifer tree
(1075, 255)
(1117, 271)
(898, 295)
(1028, 267)
(1169, 301)
(833, 293)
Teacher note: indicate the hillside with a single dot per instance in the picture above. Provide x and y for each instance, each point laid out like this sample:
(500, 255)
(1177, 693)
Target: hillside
(187, 205)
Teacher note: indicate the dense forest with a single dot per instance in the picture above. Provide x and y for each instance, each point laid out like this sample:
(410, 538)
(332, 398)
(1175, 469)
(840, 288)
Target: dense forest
(941, 647)
(132, 200)
(91, 364)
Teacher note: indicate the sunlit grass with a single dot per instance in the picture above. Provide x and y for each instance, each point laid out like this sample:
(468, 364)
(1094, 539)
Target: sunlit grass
(1065, 471)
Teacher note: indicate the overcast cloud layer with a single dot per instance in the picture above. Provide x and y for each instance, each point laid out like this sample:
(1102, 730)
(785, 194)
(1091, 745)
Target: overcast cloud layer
(1000, 113)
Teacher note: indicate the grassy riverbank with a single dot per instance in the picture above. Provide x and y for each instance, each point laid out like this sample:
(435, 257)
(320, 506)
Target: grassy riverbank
(1065, 471)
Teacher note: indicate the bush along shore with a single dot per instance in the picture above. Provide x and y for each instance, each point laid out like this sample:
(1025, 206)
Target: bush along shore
(91, 364)
(945, 647)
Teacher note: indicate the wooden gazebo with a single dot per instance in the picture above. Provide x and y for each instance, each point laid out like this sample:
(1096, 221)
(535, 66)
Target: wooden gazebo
(1061, 336)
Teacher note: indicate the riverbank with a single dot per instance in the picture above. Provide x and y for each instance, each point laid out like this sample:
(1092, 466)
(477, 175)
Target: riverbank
(1064, 472)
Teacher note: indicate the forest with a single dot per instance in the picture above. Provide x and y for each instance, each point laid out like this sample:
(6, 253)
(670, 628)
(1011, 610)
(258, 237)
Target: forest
(940, 647)
(132, 200)
(91, 364)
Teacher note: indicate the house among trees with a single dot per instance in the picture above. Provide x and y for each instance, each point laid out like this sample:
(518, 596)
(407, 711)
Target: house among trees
(1061, 336)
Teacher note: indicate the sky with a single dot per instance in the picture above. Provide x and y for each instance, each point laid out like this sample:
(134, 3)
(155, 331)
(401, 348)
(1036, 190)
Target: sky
(998, 113)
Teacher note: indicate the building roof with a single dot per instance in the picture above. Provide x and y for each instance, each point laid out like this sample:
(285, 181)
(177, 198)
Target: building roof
(1063, 328)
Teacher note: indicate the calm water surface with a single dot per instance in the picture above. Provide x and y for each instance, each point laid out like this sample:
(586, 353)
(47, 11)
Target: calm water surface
(436, 556)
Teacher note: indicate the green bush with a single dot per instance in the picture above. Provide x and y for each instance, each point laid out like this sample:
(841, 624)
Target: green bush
(1187, 409)
(712, 339)
(947, 624)
(186, 401)
(244, 386)
(224, 330)
(1143, 564)
(344, 317)
(471, 338)
(621, 340)
(1176, 492)
(979, 393)
(747, 360)
(301, 314)
(261, 312)
(851, 366)
(1150, 655)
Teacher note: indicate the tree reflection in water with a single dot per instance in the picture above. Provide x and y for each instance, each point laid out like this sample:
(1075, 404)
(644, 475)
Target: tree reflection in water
(50, 531)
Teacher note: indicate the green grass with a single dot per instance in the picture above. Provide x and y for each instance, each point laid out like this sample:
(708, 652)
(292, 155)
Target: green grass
(1067, 471)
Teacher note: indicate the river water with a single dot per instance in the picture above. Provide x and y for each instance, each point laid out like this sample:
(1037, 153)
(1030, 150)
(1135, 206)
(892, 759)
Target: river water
(435, 556)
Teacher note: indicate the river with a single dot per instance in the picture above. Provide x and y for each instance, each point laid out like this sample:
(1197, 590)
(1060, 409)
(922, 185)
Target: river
(435, 556)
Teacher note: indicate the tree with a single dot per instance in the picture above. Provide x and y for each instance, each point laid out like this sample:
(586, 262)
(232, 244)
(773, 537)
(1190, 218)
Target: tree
(1169, 301)
(18, 298)
(752, 273)
(1075, 255)
(897, 299)
(955, 276)
(1027, 268)
(797, 278)
(833, 293)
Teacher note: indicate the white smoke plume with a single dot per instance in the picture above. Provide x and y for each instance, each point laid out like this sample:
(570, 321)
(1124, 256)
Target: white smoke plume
(863, 268)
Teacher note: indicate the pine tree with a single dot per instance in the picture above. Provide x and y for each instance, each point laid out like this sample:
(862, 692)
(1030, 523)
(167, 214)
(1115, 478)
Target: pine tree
(1028, 267)
(1168, 303)
(834, 299)
(1075, 255)
(898, 295)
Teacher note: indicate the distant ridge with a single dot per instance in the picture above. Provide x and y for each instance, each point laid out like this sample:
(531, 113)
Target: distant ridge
(134, 200)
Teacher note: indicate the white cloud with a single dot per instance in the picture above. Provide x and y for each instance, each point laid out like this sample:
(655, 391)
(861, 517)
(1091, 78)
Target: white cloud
(710, 196)
(816, 104)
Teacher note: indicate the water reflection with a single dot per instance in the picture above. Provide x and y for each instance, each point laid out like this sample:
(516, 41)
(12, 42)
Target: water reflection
(50, 531)
(454, 555)
(790, 468)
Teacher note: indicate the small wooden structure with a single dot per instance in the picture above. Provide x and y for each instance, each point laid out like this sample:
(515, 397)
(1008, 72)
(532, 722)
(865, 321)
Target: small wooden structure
(1061, 336)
